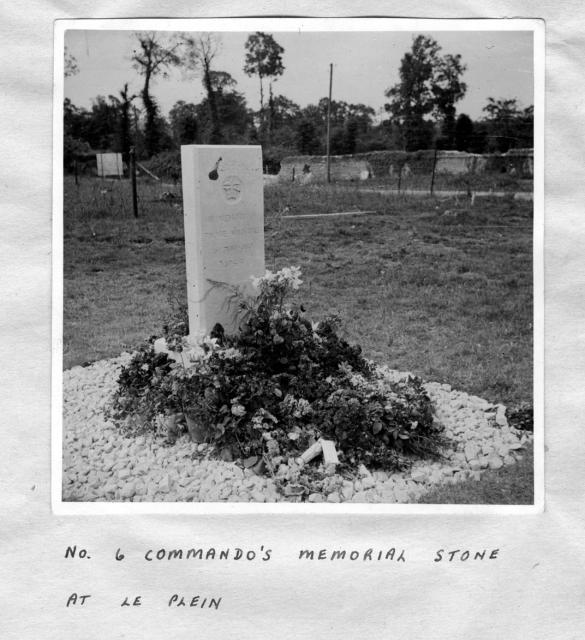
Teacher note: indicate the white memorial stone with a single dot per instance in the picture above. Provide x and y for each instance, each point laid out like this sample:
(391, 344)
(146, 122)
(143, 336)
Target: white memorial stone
(110, 164)
(329, 452)
(223, 204)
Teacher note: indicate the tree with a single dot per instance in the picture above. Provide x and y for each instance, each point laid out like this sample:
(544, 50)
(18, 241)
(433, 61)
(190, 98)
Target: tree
(75, 123)
(233, 116)
(184, 124)
(412, 100)
(448, 89)
(75, 120)
(316, 116)
(508, 126)
(198, 55)
(154, 58)
(463, 133)
(221, 80)
(101, 124)
(350, 134)
(264, 59)
(73, 150)
(284, 111)
(362, 115)
(525, 128)
(124, 135)
(71, 67)
(307, 141)
(338, 114)
(429, 85)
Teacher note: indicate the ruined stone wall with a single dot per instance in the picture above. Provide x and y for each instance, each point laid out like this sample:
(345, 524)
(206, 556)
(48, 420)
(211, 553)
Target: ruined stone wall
(314, 168)
(380, 164)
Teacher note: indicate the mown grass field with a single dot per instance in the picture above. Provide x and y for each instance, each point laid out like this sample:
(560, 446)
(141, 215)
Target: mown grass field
(447, 297)
(435, 287)
(443, 181)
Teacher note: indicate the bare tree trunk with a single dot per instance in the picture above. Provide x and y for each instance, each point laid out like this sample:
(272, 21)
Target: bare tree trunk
(216, 136)
(261, 129)
(150, 134)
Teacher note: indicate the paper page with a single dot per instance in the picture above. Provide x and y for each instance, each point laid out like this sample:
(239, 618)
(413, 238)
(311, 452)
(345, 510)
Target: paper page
(123, 569)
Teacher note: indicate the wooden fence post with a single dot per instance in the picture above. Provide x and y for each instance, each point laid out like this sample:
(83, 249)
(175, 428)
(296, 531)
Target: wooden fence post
(133, 178)
(433, 174)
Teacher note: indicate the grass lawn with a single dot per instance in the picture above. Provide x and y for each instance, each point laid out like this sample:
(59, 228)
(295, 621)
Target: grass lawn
(444, 181)
(448, 297)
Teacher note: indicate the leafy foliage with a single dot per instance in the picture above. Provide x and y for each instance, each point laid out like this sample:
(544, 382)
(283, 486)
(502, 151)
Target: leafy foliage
(421, 107)
(508, 126)
(154, 57)
(429, 85)
(165, 165)
(199, 53)
(264, 59)
(279, 384)
(140, 397)
(183, 121)
(70, 63)
(521, 416)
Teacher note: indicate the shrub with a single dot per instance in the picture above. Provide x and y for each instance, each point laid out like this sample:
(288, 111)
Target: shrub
(521, 416)
(140, 397)
(279, 384)
(165, 165)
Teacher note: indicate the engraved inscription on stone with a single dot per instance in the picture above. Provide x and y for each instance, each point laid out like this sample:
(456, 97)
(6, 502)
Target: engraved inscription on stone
(232, 189)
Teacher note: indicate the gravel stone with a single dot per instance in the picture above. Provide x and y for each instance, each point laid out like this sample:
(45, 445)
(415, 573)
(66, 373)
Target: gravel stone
(363, 472)
(474, 465)
(495, 463)
(471, 450)
(368, 482)
(347, 490)
(100, 463)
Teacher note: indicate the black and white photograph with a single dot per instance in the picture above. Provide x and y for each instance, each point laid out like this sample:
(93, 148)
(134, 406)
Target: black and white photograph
(298, 263)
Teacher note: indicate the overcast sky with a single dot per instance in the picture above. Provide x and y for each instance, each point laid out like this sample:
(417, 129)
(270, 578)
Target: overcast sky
(499, 64)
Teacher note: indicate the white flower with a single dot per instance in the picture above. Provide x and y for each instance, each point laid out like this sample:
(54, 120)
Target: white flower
(302, 409)
(292, 276)
(257, 421)
(194, 353)
(238, 410)
(210, 343)
(345, 369)
(231, 353)
(288, 276)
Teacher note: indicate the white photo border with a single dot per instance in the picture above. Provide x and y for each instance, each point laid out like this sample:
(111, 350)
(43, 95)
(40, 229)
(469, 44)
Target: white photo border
(309, 24)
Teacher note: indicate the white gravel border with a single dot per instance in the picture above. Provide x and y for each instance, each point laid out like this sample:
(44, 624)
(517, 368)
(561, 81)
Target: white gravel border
(102, 465)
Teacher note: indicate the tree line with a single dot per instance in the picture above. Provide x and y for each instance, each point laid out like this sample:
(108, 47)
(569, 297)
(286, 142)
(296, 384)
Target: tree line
(420, 112)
